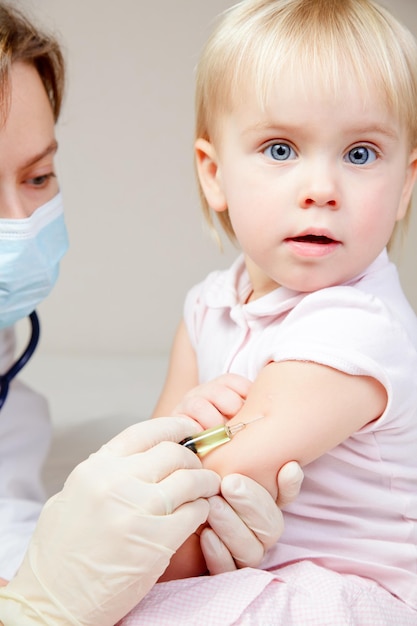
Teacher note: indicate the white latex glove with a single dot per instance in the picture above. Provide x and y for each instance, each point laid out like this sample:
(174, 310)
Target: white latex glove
(246, 521)
(104, 540)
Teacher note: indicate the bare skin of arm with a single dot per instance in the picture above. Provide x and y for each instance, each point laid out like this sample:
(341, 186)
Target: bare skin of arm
(307, 410)
(182, 374)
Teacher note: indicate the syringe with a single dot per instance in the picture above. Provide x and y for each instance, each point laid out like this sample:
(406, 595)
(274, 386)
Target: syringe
(207, 440)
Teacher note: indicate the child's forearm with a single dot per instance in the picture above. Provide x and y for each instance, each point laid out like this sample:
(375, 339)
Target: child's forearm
(188, 561)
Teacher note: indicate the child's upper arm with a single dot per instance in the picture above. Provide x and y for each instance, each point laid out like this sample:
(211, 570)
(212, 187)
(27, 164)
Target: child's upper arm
(308, 409)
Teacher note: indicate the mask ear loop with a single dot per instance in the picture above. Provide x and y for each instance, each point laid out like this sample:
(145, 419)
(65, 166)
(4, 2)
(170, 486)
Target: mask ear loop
(7, 377)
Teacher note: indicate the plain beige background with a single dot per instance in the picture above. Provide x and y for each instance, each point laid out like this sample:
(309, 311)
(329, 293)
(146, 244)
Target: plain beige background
(126, 170)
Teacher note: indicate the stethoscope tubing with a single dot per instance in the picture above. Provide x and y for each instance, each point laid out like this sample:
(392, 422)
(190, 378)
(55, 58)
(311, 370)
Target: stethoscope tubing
(7, 377)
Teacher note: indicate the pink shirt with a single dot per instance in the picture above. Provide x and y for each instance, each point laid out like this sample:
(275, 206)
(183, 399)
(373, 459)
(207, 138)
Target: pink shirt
(357, 512)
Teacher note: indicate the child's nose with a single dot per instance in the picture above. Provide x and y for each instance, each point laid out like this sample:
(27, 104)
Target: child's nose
(319, 188)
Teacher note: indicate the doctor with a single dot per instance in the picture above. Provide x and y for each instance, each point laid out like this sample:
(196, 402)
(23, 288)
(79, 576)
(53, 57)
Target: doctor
(102, 542)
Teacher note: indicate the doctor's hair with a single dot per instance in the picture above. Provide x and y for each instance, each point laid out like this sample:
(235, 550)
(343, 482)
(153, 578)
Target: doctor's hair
(324, 44)
(22, 41)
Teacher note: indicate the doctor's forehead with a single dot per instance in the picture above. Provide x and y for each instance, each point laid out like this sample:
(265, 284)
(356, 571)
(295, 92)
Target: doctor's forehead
(28, 130)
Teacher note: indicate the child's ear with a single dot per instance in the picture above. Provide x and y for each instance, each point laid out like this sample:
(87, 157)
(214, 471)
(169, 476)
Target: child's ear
(208, 170)
(410, 180)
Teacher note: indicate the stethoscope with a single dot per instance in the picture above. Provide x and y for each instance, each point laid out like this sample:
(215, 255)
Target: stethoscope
(7, 377)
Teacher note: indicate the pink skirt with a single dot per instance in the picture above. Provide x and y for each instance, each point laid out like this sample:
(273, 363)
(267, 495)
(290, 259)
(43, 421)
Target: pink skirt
(302, 594)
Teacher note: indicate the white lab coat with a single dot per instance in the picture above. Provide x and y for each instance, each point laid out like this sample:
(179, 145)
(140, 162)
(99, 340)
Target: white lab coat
(25, 434)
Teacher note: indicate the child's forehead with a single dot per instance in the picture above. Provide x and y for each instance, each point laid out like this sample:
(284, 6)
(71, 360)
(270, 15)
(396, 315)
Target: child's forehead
(295, 109)
(268, 92)
(313, 56)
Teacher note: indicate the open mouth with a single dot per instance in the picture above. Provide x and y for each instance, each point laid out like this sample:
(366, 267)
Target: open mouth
(318, 239)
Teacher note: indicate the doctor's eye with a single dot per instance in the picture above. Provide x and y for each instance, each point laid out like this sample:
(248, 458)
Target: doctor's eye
(40, 181)
(279, 152)
(361, 155)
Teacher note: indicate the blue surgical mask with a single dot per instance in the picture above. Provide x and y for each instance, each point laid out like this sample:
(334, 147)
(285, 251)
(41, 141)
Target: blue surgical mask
(30, 252)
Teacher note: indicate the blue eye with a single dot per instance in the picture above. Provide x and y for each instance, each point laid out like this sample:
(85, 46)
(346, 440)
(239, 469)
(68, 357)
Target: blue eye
(361, 155)
(279, 152)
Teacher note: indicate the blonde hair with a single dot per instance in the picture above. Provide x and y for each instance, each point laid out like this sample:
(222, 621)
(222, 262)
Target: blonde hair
(21, 41)
(324, 42)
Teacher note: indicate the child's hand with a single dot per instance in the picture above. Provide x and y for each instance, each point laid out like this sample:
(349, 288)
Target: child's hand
(214, 402)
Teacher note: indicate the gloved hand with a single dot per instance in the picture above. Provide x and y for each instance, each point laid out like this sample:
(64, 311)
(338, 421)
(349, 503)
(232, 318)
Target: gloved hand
(103, 541)
(246, 521)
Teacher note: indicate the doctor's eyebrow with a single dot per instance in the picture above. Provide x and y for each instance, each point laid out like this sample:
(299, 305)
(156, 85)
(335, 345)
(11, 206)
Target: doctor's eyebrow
(50, 149)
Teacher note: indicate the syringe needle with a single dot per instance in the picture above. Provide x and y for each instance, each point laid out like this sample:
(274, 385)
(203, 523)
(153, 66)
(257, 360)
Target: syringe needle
(235, 428)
